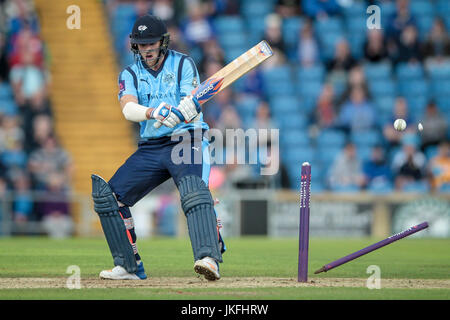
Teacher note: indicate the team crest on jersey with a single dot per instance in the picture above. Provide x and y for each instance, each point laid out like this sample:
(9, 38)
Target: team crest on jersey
(169, 78)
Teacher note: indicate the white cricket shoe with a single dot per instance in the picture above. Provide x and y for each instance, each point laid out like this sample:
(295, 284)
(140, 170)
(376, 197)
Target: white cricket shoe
(207, 267)
(119, 273)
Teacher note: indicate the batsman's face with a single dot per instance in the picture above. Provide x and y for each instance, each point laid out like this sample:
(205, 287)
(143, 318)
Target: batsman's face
(150, 52)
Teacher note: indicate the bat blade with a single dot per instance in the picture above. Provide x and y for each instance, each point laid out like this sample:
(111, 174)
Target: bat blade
(232, 71)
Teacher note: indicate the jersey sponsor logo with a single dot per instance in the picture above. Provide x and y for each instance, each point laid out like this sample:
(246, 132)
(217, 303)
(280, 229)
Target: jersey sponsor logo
(121, 86)
(194, 82)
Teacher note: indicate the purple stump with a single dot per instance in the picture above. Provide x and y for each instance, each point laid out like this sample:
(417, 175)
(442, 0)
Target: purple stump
(373, 247)
(303, 243)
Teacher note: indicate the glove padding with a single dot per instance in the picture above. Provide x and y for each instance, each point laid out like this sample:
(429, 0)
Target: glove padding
(189, 108)
(166, 115)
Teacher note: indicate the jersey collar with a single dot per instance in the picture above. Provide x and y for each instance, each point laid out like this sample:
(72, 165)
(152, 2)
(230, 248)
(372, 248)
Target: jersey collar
(153, 72)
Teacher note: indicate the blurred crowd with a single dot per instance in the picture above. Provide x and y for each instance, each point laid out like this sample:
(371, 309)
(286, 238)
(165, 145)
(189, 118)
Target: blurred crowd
(35, 170)
(334, 87)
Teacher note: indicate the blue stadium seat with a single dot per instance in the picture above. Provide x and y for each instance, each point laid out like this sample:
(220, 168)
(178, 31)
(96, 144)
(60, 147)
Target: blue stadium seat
(431, 152)
(356, 9)
(233, 40)
(356, 24)
(328, 42)
(297, 154)
(424, 25)
(439, 72)
(418, 87)
(327, 155)
(276, 89)
(443, 8)
(406, 72)
(356, 43)
(331, 138)
(367, 138)
(440, 88)
(419, 187)
(281, 74)
(417, 104)
(378, 188)
(363, 152)
(5, 91)
(377, 71)
(422, 8)
(330, 25)
(445, 188)
(310, 89)
(8, 107)
(285, 104)
(289, 121)
(313, 73)
(384, 104)
(291, 29)
(386, 87)
(294, 137)
(255, 28)
(229, 24)
(256, 8)
(443, 104)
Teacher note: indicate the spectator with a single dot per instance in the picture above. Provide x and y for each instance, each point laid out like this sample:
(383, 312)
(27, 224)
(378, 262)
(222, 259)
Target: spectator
(343, 60)
(399, 20)
(54, 208)
(50, 158)
(253, 83)
(177, 42)
(212, 53)
(392, 136)
(27, 48)
(409, 49)
(439, 166)
(10, 132)
(165, 10)
(42, 129)
(226, 7)
(4, 66)
(435, 127)
(29, 82)
(436, 48)
(356, 78)
(197, 29)
(325, 113)
(346, 171)
(288, 8)
(22, 200)
(143, 7)
(263, 119)
(308, 48)
(320, 9)
(408, 164)
(376, 170)
(375, 46)
(272, 32)
(357, 113)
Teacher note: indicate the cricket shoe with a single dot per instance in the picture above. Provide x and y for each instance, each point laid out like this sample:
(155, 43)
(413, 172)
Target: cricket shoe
(207, 267)
(119, 273)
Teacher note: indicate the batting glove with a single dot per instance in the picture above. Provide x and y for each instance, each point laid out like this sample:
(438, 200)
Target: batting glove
(166, 115)
(189, 107)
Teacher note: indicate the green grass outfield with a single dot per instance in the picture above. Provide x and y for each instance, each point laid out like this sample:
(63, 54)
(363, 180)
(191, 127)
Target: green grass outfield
(247, 258)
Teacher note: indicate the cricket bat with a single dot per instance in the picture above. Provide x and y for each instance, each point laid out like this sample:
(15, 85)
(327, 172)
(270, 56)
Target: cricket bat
(230, 73)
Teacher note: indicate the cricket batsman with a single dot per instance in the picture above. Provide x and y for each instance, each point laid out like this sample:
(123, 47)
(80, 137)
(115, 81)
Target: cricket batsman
(156, 92)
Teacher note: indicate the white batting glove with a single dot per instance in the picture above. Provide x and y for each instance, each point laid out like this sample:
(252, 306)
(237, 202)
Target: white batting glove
(166, 115)
(189, 108)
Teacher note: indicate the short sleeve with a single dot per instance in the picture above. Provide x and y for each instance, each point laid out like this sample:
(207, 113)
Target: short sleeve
(127, 83)
(189, 78)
